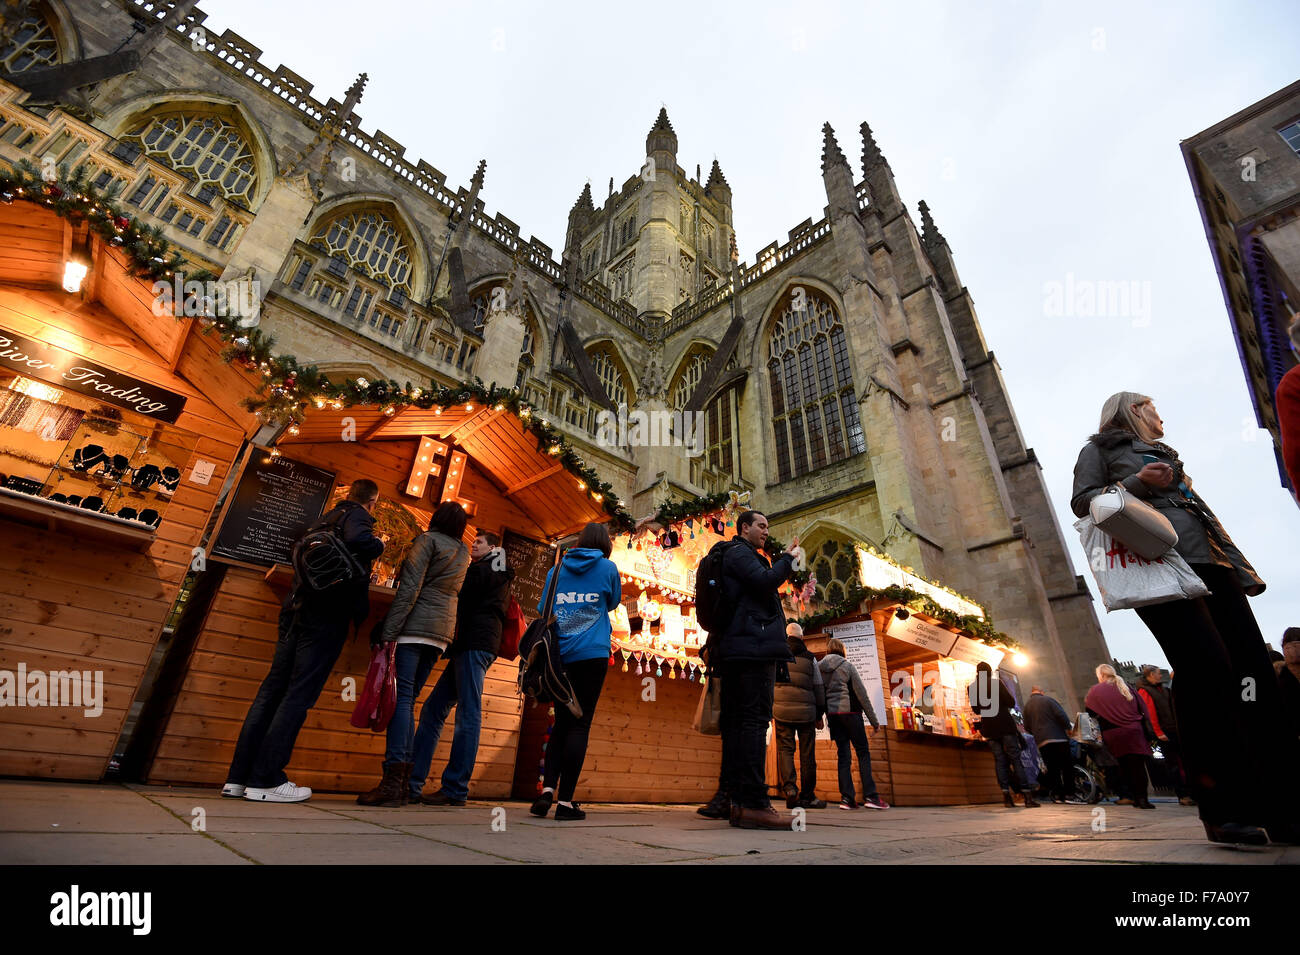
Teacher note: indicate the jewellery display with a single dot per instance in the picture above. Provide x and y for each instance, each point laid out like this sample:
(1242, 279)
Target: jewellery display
(87, 456)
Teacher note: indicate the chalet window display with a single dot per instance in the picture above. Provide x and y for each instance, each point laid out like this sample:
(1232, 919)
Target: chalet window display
(87, 457)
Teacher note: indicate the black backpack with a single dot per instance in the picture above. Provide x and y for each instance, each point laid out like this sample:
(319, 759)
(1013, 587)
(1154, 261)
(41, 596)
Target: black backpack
(321, 558)
(712, 608)
(541, 671)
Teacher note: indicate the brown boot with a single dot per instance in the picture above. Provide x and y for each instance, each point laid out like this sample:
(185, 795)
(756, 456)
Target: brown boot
(767, 818)
(391, 790)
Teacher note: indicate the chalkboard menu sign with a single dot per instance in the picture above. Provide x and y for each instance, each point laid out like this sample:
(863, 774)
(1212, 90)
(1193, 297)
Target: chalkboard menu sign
(530, 560)
(274, 503)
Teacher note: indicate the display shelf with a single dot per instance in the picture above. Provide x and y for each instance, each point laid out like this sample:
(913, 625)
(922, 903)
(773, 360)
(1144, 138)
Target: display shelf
(63, 518)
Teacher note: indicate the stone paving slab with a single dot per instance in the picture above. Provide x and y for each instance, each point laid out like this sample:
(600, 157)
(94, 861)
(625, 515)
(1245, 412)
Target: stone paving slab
(69, 823)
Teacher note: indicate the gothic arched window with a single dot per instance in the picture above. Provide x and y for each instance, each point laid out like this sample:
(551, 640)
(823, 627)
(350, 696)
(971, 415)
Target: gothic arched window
(370, 242)
(211, 150)
(814, 406)
(27, 42)
(610, 371)
(835, 565)
(718, 429)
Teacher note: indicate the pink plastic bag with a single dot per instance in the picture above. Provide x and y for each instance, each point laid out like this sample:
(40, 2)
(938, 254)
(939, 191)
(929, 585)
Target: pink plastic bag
(379, 694)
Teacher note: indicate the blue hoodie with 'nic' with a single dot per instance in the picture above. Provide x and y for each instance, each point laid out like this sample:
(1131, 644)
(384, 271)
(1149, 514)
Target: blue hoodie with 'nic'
(588, 589)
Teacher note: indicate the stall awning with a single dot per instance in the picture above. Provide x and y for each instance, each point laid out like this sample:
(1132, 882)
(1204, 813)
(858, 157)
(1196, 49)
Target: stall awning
(497, 442)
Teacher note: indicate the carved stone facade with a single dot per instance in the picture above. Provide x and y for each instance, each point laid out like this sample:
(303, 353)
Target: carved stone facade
(843, 376)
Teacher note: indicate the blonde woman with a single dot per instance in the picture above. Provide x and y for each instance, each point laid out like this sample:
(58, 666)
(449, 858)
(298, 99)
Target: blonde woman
(1241, 768)
(1120, 714)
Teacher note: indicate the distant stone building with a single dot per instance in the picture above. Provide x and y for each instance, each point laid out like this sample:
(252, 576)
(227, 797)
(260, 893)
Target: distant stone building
(1245, 175)
(843, 378)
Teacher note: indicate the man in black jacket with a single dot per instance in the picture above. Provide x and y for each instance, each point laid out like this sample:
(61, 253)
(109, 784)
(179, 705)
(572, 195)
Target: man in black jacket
(313, 629)
(480, 616)
(747, 654)
(1047, 722)
(1159, 705)
(992, 702)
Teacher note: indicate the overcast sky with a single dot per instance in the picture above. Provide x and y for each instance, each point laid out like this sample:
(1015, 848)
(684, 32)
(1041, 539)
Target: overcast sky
(1043, 136)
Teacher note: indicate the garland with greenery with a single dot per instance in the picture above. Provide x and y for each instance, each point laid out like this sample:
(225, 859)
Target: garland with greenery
(674, 512)
(71, 195)
(289, 388)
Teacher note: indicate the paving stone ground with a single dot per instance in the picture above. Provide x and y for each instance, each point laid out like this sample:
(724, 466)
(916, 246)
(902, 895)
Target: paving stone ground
(80, 824)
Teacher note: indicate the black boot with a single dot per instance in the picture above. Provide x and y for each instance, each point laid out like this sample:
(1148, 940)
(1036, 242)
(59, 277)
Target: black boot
(1007, 800)
(719, 807)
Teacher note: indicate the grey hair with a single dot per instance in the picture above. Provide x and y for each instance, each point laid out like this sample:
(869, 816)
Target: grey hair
(1117, 412)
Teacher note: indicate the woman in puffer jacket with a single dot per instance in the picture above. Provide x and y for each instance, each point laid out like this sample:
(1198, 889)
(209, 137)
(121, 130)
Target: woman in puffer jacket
(847, 702)
(422, 620)
(1241, 768)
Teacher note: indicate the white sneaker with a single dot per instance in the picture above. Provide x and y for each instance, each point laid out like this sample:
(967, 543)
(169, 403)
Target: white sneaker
(285, 792)
(233, 790)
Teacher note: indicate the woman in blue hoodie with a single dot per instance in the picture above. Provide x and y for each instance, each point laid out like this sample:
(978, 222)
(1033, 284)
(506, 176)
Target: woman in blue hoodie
(588, 589)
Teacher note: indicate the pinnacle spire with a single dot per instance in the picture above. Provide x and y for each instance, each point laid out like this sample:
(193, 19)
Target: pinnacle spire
(476, 181)
(585, 203)
(716, 179)
(930, 235)
(662, 122)
(357, 88)
(831, 154)
(871, 154)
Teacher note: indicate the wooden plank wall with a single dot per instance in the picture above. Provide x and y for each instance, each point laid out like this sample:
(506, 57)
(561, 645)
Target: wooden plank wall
(232, 657)
(68, 604)
(234, 652)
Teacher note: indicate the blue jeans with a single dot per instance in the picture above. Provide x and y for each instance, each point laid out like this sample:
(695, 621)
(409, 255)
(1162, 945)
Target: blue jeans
(414, 663)
(461, 686)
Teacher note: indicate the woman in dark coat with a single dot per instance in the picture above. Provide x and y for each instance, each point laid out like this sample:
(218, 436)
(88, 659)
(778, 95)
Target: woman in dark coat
(1240, 765)
(1122, 730)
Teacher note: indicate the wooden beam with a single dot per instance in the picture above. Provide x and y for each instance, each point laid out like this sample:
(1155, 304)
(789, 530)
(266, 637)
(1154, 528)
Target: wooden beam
(469, 426)
(529, 482)
(384, 422)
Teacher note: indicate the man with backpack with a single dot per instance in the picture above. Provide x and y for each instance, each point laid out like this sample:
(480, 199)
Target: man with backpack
(314, 625)
(480, 614)
(744, 648)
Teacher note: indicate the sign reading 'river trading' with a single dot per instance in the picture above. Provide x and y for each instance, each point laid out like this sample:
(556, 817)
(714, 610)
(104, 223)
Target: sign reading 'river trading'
(33, 359)
(275, 502)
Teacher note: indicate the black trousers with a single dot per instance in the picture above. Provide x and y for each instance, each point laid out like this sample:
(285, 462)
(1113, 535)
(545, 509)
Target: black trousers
(1241, 764)
(1134, 768)
(311, 640)
(1060, 768)
(850, 735)
(567, 749)
(746, 712)
(1173, 751)
(785, 744)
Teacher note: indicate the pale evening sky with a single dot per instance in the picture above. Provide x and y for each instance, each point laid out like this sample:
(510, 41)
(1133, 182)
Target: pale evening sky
(1043, 136)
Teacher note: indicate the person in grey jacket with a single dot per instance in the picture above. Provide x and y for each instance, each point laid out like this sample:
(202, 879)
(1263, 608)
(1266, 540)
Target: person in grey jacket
(422, 621)
(1242, 768)
(797, 708)
(847, 702)
(1047, 722)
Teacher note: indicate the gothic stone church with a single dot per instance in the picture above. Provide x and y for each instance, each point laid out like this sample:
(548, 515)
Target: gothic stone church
(843, 377)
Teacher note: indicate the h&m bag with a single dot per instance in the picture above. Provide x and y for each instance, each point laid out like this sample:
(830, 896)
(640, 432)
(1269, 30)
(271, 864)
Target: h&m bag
(708, 712)
(322, 560)
(1127, 579)
(1133, 522)
(541, 670)
(378, 698)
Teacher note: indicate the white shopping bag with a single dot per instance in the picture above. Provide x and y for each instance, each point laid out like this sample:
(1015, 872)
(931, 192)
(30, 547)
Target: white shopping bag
(1127, 580)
